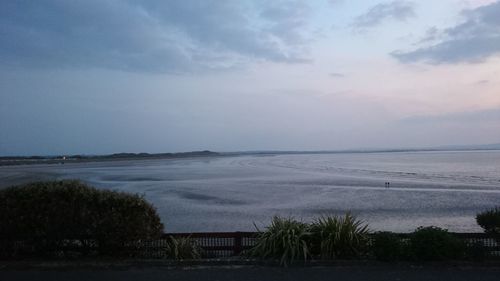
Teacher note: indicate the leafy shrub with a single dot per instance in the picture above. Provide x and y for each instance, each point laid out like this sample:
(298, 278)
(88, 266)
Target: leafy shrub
(285, 239)
(339, 237)
(48, 215)
(388, 246)
(490, 220)
(182, 248)
(476, 251)
(434, 243)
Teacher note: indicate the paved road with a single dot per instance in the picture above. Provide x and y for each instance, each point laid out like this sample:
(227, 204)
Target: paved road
(357, 273)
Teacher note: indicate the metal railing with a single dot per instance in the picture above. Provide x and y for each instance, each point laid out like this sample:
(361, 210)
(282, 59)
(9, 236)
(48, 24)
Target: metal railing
(220, 244)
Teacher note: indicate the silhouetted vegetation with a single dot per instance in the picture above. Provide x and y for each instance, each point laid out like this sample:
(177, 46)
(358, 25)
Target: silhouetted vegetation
(434, 243)
(388, 246)
(489, 220)
(285, 239)
(329, 237)
(45, 216)
(476, 251)
(339, 237)
(426, 244)
(182, 248)
(345, 237)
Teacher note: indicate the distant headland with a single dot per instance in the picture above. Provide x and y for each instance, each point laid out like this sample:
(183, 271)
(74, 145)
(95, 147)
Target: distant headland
(62, 159)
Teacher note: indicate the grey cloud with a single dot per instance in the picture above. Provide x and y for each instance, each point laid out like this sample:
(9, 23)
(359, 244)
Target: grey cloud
(337, 75)
(482, 82)
(335, 2)
(431, 35)
(285, 21)
(397, 10)
(151, 36)
(472, 41)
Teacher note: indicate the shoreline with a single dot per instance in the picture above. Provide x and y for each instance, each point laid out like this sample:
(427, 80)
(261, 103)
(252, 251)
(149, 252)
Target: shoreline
(61, 160)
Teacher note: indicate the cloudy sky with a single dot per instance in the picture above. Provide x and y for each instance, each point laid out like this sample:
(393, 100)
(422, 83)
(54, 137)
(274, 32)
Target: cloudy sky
(105, 76)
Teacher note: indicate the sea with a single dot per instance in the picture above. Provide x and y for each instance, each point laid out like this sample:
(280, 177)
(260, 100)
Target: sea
(393, 191)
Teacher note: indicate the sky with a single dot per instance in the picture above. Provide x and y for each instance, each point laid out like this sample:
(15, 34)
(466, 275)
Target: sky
(108, 76)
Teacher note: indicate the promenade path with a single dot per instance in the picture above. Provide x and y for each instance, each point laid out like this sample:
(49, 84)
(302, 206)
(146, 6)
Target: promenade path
(260, 273)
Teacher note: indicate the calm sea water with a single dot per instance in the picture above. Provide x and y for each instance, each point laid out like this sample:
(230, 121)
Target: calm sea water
(444, 189)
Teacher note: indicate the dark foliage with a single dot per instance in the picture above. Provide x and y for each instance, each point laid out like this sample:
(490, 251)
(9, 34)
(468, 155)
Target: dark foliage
(434, 243)
(490, 220)
(285, 239)
(477, 252)
(44, 216)
(388, 246)
(339, 237)
(182, 248)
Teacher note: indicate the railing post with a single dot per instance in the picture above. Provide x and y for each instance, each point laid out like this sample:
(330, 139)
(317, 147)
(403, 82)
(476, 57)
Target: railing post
(237, 244)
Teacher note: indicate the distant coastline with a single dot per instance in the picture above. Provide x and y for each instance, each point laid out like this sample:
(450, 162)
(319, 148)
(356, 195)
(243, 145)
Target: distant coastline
(62, 159)
(377, 150)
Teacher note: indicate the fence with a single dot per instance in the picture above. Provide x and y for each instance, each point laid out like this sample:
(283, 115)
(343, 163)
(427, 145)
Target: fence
(226, 244)
(215, 244)
(221, 244)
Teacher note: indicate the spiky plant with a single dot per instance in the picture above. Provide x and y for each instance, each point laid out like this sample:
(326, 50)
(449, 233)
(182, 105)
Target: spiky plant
(182, 248)
(339, 237)
(285, 239)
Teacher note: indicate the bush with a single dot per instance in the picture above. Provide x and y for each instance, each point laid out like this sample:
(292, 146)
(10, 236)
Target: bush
(285, 239)
(388, 246)
(476, 251)
(48, 215)
(490, 220)
(434, 243)
(182, 248)
(339, 237)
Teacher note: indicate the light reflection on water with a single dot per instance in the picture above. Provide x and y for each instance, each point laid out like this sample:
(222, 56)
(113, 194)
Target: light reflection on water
(444, 189)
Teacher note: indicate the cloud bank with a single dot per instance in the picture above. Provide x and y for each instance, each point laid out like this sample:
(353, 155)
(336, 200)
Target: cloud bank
(151, 36)
(474, 40)
(396, 10)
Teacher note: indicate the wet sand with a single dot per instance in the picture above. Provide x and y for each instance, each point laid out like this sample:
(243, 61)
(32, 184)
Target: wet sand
(231, 193)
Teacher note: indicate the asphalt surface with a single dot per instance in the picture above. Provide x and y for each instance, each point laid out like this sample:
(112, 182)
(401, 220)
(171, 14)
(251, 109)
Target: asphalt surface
(243, 273)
